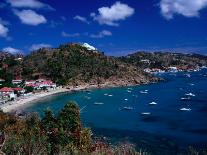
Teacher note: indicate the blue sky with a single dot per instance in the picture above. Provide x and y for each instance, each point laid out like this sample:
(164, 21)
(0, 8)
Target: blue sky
(115, 27)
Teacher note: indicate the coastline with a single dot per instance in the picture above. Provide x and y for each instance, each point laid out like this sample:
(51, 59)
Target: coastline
(24, 101)
(15, 105)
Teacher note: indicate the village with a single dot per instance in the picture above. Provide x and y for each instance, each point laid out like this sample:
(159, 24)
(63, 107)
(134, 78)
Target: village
(24, 88)
(172, 69)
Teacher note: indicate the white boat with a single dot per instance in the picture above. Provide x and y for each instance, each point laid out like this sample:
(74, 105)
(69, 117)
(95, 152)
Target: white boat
(129, 91)
(98, 103)
(191, 84)
(106, 94)
(110, 95)
(128, 108)
(143, 92)
(145, 113)
(153, 103)
(190, 94)
(125, 99)
(185, 98)
(185, 109)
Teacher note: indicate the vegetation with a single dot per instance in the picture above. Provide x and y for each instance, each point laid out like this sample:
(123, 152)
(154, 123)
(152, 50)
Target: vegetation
(164, 59)
(72, 64)
(51, 135)
(60, 134)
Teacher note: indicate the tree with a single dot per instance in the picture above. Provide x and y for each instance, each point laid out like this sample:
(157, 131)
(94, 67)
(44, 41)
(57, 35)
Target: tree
(69, 117)
(29, 89)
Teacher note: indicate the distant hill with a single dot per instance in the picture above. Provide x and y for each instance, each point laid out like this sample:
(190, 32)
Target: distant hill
(164, 59)
(72, 64)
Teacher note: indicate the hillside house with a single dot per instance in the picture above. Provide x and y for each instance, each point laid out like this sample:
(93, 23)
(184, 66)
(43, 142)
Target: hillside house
(17, 81)
(7, 92)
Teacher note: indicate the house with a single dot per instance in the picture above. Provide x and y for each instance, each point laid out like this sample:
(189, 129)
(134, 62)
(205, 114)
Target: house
(172, 69)
(47, 84)
(32, 85)
(148, 70)
(19, 90)
(89, 47)
(157, 70)
(7, 92)
(40, 80)
(2, 80)
(17, 81)
(30, 82)
(145, 61)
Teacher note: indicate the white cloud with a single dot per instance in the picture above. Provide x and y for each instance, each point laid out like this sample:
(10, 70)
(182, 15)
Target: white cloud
(101, 34)
(30, 17)
(11, 50)
(3, 31)
(38, 46)
(82, 19)
(111, 15)
(64, 34)
(187, 8)
(35, 4)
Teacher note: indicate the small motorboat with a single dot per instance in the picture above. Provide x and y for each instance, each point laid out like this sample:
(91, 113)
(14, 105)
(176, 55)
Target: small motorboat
(127, 108)
(110, 95)
(185, 109)
(152, 103)
(98, 103)
(125, 99)
(191, 84)
(129, 91)
(145, 113)
(144, 92)
(185, 98)
(106, 94)
(190, 94)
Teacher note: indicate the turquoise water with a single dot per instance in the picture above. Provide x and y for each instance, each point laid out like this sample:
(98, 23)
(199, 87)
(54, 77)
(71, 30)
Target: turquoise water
(166, 126)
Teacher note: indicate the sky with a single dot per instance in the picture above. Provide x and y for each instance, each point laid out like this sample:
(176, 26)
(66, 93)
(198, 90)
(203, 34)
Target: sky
(114, 27)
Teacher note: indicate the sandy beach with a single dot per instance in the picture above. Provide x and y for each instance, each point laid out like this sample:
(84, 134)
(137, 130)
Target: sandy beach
(24, 101)
(14, 105)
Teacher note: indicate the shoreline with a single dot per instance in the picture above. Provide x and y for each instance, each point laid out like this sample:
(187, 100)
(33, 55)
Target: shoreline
(16, 105)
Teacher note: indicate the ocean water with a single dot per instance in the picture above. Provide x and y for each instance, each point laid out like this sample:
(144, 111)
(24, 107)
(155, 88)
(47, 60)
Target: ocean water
(167, 129)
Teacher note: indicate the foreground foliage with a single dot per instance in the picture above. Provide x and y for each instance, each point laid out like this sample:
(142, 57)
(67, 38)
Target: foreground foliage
(60, 134)
(51, 135)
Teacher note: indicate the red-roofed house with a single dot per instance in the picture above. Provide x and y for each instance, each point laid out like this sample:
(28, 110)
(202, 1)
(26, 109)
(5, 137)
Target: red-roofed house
(47, 84)
(31, 85)
(19, 90)
(30, 82)
(17, 81)
(7, 92)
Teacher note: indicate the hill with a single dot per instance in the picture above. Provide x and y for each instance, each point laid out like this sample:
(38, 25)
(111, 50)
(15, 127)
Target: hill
(164, 59)
(72, 64)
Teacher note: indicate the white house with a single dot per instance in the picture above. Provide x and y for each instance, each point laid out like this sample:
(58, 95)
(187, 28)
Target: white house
(47, 84)
(89, 47)
(7, 92)
(172, 69)
(145, 61)
(17, 81)
(30, 82)
(148, 70)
